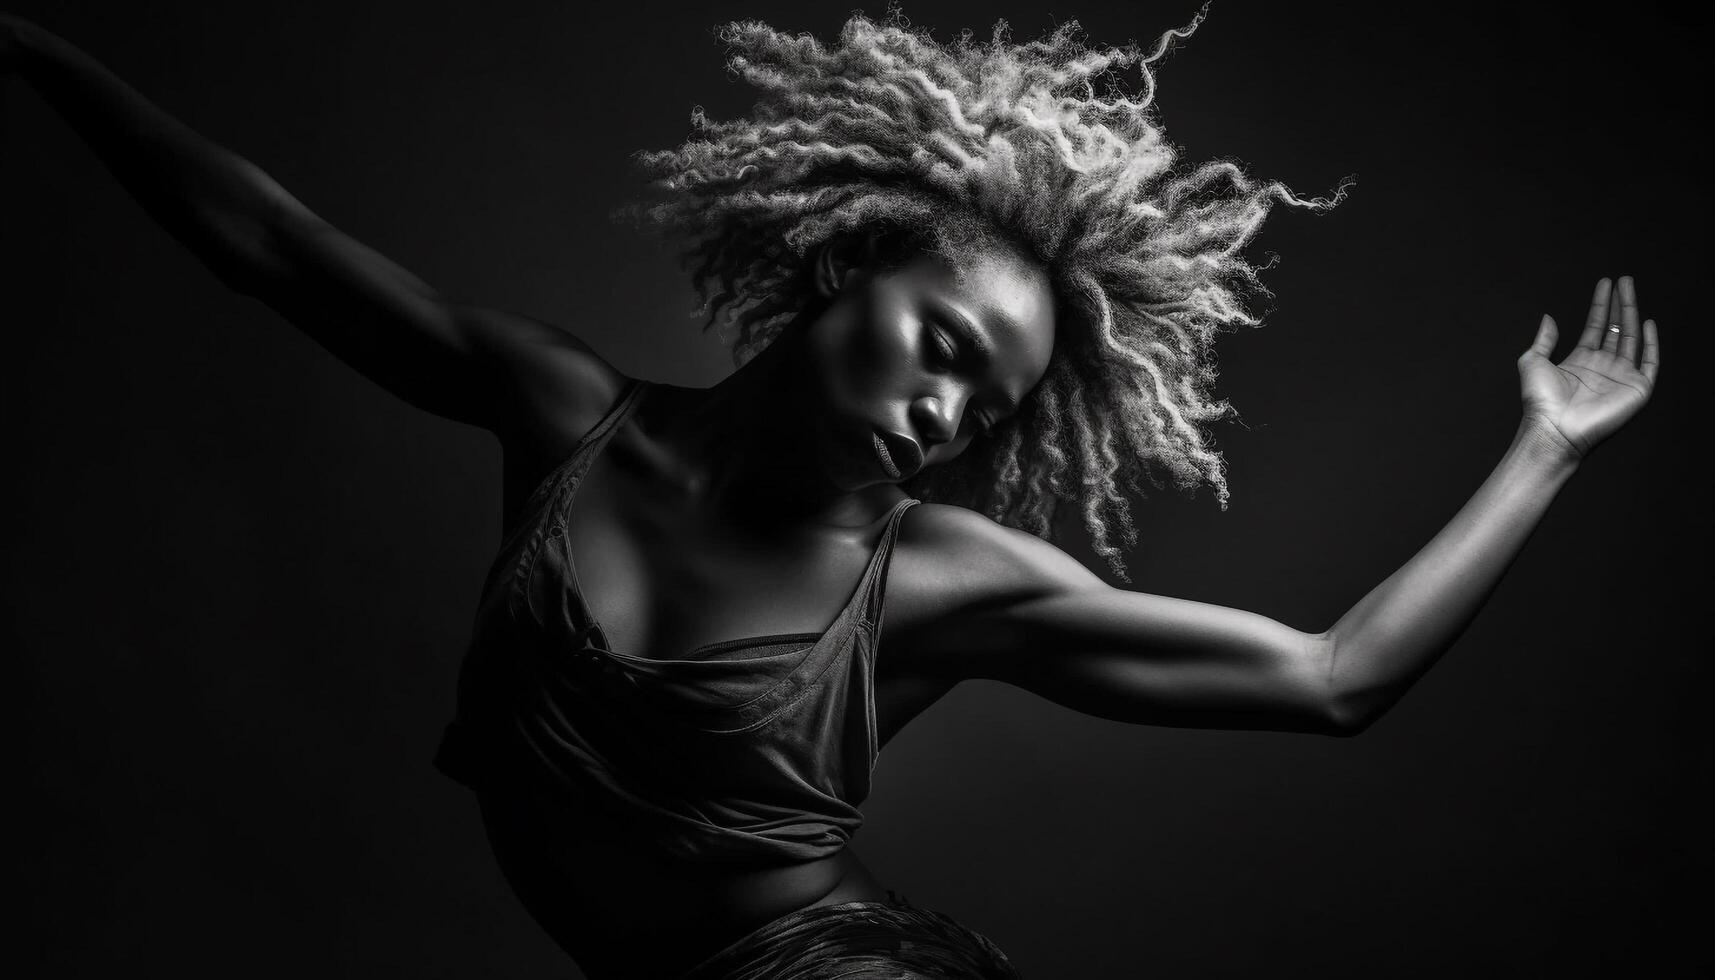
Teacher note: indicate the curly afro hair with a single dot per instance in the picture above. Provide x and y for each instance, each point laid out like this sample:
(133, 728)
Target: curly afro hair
(891, 134)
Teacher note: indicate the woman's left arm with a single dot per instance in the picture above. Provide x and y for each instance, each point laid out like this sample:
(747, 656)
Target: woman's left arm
(1405, 624)
(1015, 609)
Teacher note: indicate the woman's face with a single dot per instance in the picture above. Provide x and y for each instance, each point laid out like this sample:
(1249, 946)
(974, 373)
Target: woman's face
(913, 363)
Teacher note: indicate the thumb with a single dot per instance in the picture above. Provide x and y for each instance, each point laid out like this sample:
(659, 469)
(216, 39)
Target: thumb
(1547, 335)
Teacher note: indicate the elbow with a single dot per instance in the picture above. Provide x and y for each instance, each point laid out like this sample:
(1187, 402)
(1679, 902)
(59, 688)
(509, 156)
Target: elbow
(1336, 717)
(245, 246)
(238, 253)
(1342, 718)
(1344, 709)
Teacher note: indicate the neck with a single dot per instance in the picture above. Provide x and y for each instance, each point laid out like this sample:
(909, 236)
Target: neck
(746, 451)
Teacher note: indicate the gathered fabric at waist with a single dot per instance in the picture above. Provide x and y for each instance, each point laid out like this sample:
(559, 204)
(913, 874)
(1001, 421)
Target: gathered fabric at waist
(892, 940)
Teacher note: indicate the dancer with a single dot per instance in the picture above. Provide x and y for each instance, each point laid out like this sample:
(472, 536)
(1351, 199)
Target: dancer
(965, 289)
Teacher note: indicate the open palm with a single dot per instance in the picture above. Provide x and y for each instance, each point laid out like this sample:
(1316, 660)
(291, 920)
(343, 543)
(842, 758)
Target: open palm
(1604, 380)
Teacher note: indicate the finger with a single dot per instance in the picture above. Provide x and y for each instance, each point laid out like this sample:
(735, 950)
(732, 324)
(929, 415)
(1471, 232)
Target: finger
(1597, 320)
(1652, 352)
(1612, 331)
(1547, 335)
(1628, 320)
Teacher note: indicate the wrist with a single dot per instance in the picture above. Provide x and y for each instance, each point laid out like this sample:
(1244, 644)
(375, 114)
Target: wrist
(1541, 441)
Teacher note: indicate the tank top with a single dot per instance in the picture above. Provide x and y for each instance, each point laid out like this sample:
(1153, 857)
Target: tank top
(753, 751)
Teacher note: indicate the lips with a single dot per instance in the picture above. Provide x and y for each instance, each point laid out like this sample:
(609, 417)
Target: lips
(900, 457)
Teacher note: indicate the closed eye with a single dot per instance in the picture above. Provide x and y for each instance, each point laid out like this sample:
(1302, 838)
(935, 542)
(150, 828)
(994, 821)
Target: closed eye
(944, 347)
(985, 424)
(948, 352)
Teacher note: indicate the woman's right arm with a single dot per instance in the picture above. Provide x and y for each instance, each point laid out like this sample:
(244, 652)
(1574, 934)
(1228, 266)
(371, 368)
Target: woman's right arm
(506, 372)
(998, 603)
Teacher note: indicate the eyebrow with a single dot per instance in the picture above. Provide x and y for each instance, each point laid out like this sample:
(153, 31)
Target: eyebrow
(977, 340)
(969, 329)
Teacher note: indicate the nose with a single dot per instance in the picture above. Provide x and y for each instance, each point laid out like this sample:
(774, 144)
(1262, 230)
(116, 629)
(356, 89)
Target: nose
(937, 418)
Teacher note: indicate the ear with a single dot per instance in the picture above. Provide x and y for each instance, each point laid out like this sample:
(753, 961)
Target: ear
(837, 259)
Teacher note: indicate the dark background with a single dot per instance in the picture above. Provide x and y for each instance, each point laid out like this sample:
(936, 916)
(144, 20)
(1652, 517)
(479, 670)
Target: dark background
(240, 576)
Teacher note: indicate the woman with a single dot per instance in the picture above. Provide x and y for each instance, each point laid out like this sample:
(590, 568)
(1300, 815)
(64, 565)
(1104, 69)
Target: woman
(965, 290)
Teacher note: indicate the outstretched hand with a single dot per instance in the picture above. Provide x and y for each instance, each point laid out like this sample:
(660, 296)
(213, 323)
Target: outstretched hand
(1603, 381)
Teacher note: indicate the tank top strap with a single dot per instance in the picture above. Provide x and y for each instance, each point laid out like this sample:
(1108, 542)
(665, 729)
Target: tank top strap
(875, 576)
(610, 423)
(565, 475)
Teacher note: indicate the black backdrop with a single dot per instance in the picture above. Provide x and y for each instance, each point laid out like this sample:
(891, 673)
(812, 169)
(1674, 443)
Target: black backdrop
(240, 576)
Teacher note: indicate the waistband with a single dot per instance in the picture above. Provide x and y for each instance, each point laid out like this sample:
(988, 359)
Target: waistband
(851, 939)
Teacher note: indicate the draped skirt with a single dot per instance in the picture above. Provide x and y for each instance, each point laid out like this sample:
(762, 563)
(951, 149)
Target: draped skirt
(891, 940)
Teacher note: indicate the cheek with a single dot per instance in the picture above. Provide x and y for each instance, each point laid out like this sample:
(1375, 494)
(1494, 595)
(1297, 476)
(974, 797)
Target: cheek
(863, 361)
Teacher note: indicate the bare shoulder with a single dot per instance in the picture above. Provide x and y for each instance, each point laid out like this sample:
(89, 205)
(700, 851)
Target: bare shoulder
(951, 558)
(556, 387)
